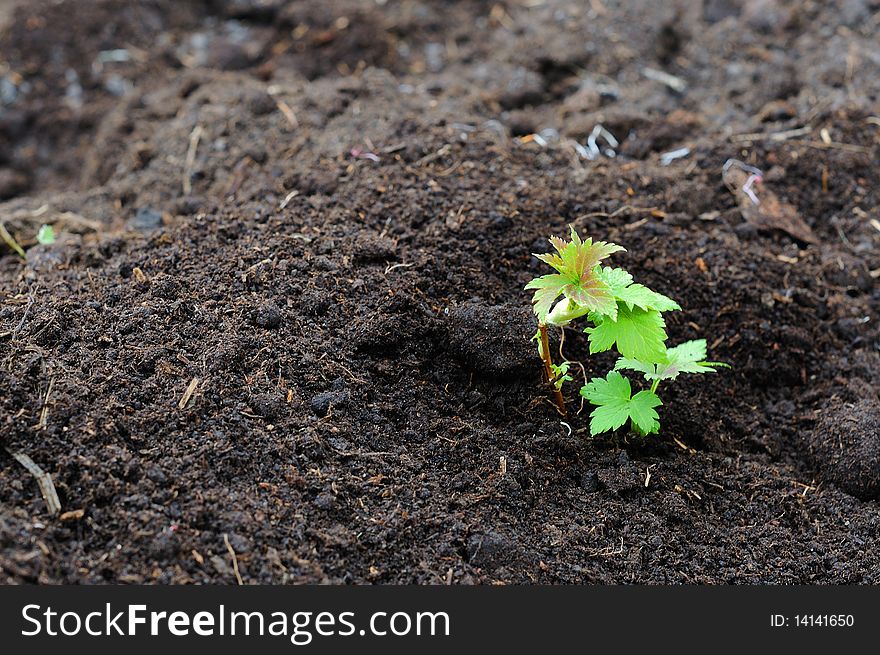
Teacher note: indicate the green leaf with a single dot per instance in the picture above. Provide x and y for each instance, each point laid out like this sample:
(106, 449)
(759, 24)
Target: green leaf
(639, 334)
(688, 357)
(615, 404)
(46, 235)
(560, 374)
(591, 294)
(577, 276)
(537, 340)
(645, 368)
(548, 289)
(685, 358)
(635, 295)
(642, 413)
(638, 295)
(616, 278)
(611, 397)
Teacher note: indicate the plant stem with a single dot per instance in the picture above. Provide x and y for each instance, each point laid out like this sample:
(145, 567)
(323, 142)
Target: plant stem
(654, 386)
(10, 241)
(548, 368)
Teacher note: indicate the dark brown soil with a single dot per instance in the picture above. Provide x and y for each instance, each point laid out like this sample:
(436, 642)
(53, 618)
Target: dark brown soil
(367, 404)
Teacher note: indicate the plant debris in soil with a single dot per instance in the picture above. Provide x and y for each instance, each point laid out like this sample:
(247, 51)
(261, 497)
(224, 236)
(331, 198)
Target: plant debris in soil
(281, 335)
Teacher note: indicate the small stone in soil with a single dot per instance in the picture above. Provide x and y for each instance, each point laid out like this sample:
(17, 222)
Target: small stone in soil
(163, 546)
(590, 482)
(156, 474)
(145, 219)
(490, 550)
(267, 316)
(322, 402)
(239, 543)
(338, 443)
(325, 501)
(269, 406)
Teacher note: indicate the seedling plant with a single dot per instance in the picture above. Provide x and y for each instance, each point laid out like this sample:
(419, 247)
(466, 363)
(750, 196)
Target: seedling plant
(622, 315)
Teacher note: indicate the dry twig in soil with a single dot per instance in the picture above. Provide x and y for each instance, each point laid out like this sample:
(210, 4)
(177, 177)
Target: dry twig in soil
(44, 481)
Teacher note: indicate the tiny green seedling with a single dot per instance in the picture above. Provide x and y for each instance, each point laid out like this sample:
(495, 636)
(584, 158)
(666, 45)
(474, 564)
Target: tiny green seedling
(623, 315)
(46, 235)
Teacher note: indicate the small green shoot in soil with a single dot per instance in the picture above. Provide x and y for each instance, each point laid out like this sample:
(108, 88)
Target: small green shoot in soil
(46, 235)
(10, 241)
(622, 315)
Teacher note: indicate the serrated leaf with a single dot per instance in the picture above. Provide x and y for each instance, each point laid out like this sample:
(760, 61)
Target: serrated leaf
(611, 397)
(592, 294)
(638, 295)
(577, 264)
(616, 278)
(638, 333)
(642, 413)
(629, 364)
(615, 405)
(560, 374)
(549, 258)
(633, 294)
(547, 289)
(688, 357)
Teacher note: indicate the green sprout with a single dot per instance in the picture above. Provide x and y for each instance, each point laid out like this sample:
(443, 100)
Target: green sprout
(623, 315)
(10, 241)
(560, 375)
(46, 235)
